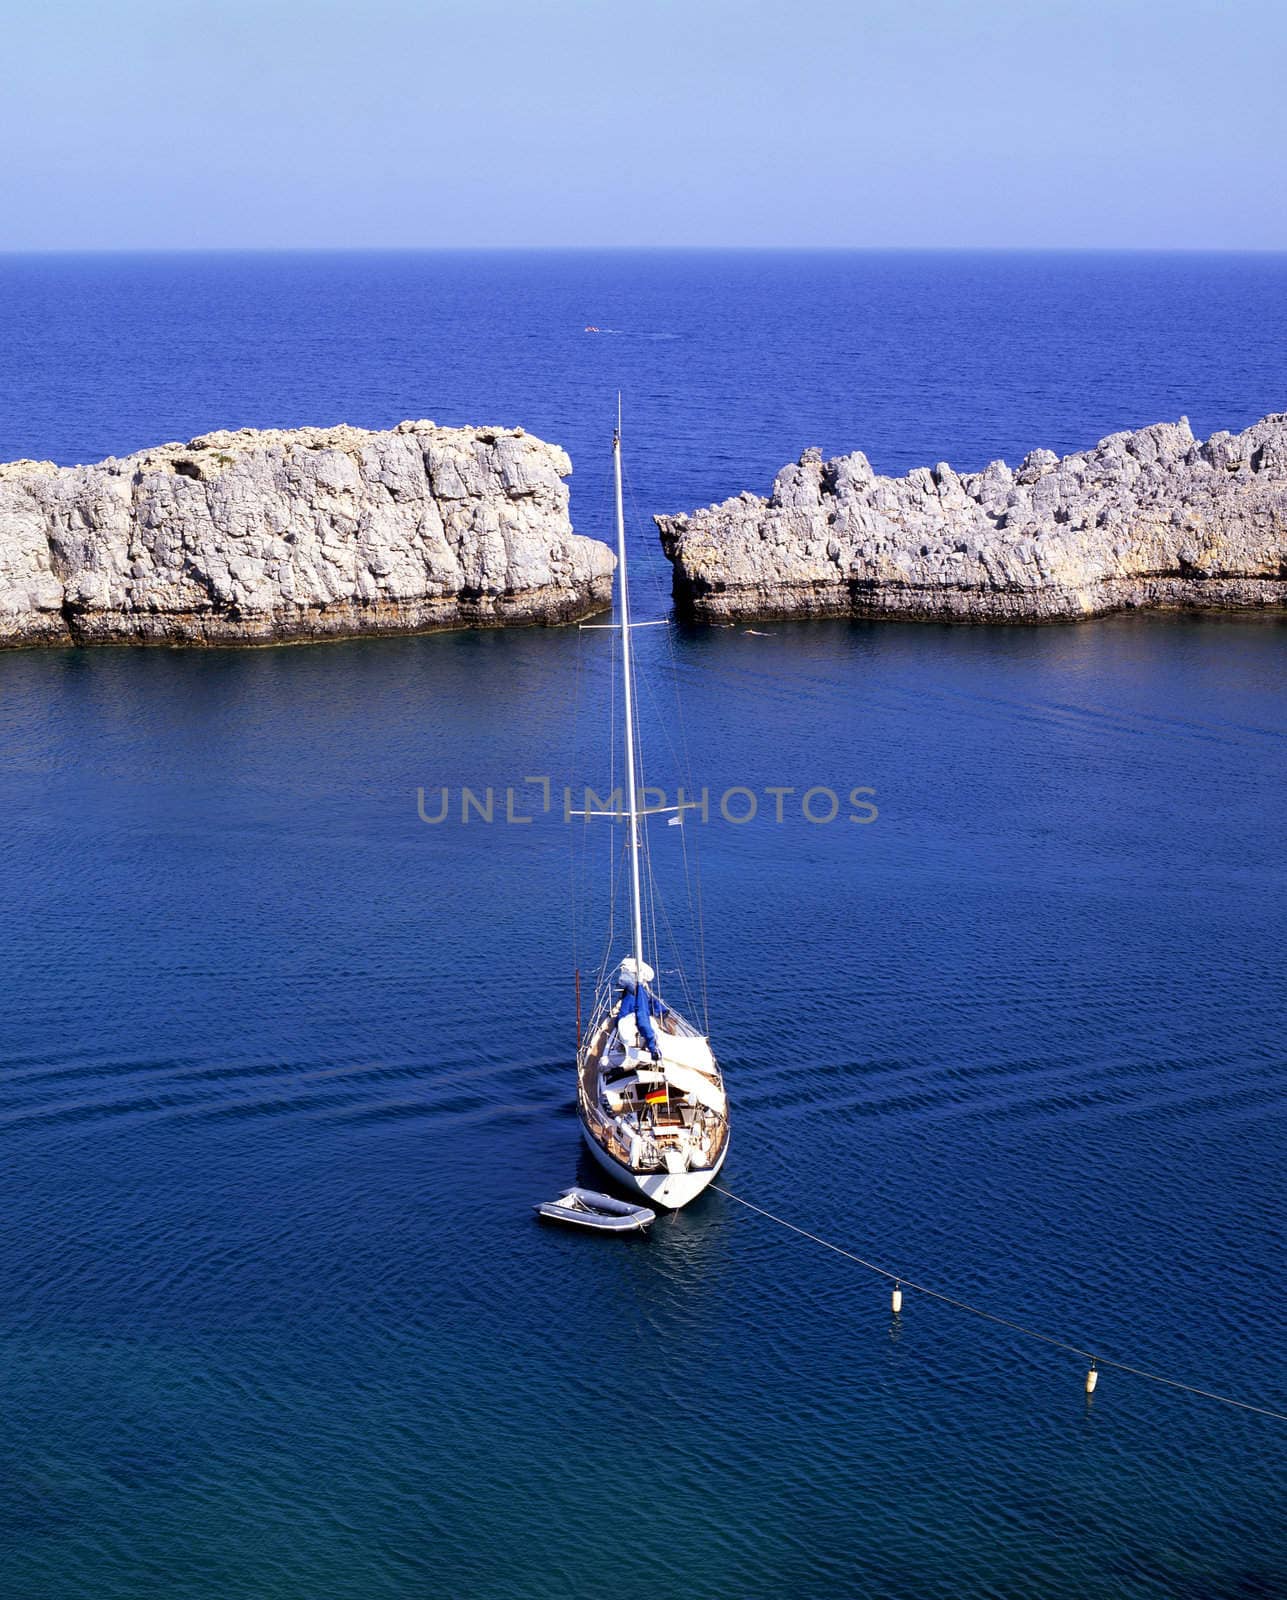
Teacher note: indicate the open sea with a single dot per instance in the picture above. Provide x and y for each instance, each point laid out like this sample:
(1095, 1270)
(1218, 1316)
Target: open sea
(283, 1067)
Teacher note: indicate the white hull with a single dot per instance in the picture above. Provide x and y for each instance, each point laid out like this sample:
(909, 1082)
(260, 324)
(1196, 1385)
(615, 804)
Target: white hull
(670, 1190)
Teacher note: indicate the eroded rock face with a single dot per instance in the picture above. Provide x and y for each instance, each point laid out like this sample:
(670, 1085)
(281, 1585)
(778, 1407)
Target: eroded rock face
(1147, 519)
(253, 537)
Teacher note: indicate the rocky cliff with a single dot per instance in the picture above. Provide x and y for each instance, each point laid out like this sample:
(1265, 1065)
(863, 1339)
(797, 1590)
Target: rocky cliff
(1153, 518)
(251, 537)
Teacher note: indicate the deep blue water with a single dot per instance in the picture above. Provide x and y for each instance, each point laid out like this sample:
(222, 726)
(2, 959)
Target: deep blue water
(282, 1067)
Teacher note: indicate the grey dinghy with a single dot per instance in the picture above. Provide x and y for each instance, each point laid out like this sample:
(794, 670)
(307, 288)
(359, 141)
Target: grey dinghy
(586, 1209)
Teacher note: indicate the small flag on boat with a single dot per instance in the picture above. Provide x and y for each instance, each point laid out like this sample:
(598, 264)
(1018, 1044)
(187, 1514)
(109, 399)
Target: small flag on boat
(656, 1096)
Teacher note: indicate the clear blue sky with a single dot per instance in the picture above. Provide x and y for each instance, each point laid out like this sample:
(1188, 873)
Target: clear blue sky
(165, 123)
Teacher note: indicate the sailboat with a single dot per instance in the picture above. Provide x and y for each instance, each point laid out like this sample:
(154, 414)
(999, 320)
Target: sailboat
(650, 1094)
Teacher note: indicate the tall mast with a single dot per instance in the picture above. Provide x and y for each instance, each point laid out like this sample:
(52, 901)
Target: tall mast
(632, 805)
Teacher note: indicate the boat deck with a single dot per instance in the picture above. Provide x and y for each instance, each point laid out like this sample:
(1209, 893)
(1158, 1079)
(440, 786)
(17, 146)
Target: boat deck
(666, 1125)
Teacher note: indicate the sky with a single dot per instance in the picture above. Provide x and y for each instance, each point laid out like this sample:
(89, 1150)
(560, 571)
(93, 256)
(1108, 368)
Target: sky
(162, 124)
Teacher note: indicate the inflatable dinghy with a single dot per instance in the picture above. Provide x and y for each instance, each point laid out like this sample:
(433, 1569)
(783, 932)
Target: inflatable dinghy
(583, 1208)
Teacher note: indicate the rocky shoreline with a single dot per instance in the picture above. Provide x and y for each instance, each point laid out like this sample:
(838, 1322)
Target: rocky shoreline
(1154, 518)
(259, 537)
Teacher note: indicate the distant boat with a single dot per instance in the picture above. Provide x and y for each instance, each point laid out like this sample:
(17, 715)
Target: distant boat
(590, 328)
(650, 1094)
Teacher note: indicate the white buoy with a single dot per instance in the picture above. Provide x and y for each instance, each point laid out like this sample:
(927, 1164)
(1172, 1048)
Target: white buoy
(896, 1300)
(1092, 1378)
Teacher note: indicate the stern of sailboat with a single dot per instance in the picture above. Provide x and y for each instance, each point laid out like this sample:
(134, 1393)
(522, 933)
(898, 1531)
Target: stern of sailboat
(658, 1127)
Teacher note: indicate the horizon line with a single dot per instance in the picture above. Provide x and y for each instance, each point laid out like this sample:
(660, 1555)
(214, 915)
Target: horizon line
(655, 249)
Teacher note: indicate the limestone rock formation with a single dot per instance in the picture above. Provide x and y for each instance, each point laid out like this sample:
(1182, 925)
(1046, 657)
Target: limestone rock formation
(1151, 518)
(252, 537)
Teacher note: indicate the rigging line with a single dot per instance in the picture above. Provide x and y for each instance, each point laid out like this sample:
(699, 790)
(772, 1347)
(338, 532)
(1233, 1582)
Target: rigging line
(650, 889)
(701, 930)
(610, 932)
(689, 1002)
(640, 824)
(656, 901)
(653, 576)
(606, 964)
(612, 783)
(655, 896)
(683, 761)
(692, 871)
(692, 875)
(1005, 1322)
(652, 918)
(683, 765)
(662, 721)
(621, 892)
(664, 600)
(661, 922)
(653, 570)
(573, 853)
(661, 919)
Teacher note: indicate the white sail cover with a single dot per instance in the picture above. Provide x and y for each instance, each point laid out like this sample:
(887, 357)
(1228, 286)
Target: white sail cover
(697, 1084)
(686, 1050)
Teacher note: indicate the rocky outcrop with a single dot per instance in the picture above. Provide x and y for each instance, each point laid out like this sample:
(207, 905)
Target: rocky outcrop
(1147, 519)
(253, 537)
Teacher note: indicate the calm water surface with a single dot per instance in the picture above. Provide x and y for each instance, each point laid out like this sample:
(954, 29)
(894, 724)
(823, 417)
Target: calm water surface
(282, 1067)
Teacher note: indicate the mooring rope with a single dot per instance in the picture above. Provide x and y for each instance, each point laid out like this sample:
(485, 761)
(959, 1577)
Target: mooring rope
(902, 1282)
